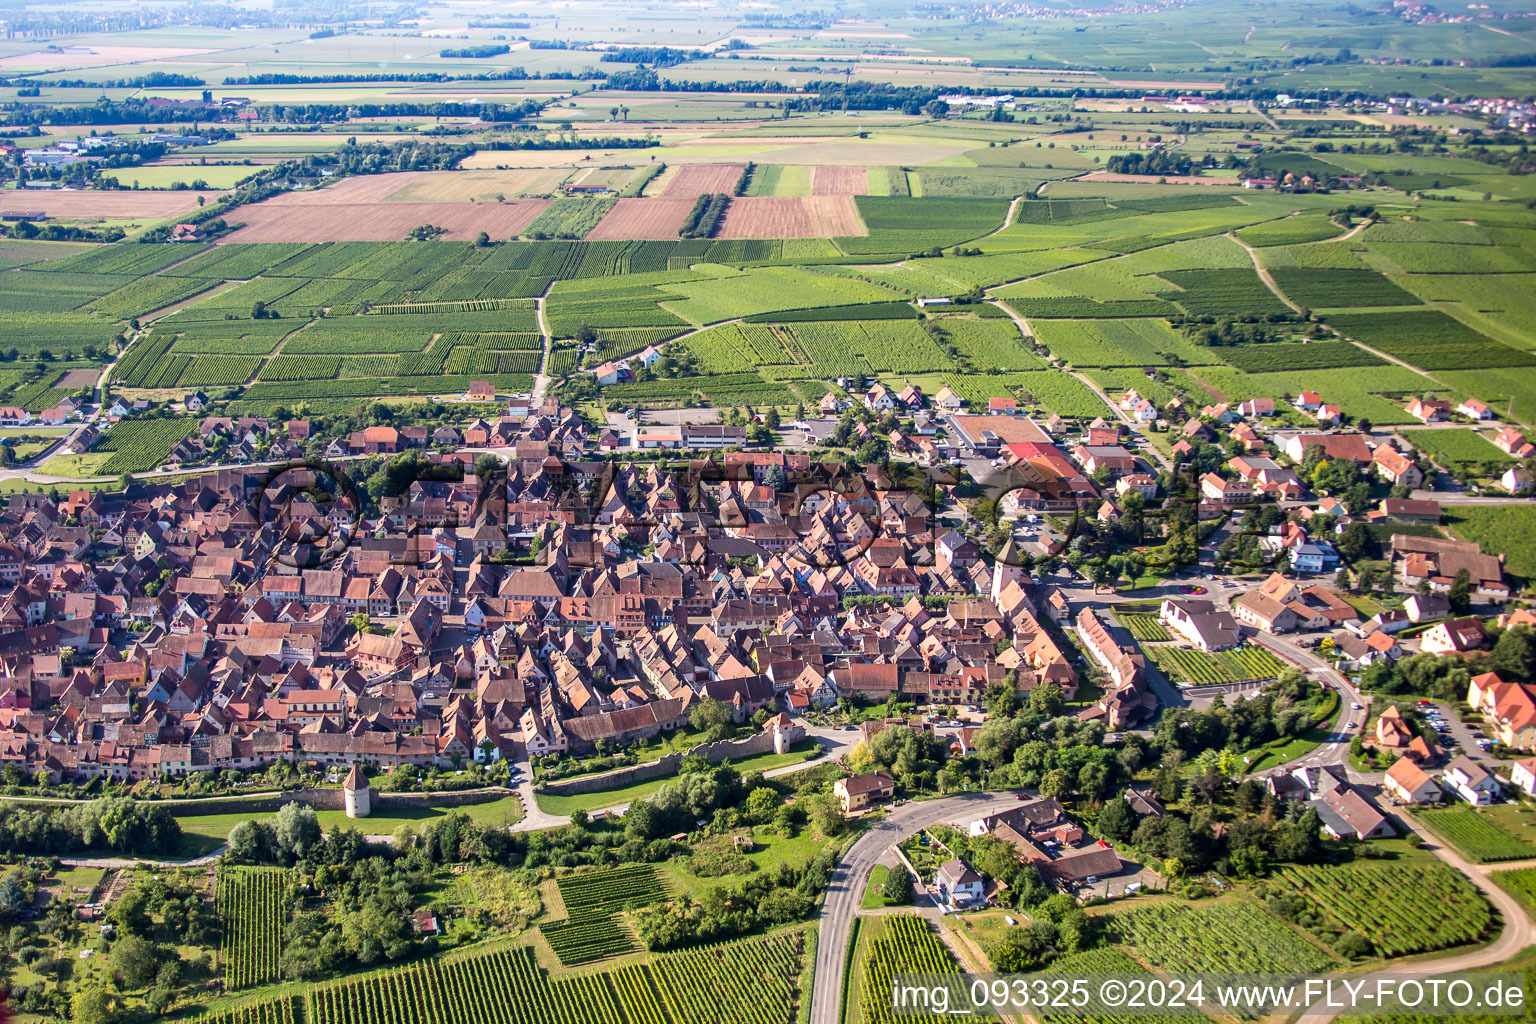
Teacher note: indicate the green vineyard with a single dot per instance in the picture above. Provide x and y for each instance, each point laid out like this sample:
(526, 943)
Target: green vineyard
(251, 909)
(753, 981)
(1221, 938)
(1447, 909)
(1475, 834)
(1242, 664)
(286, 1010)
(591, 931)
(904, 944)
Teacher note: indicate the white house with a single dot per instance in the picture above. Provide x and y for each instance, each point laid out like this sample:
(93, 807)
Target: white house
(959, 884)
(1473, 409)
(1523, 774)
(1470, 781)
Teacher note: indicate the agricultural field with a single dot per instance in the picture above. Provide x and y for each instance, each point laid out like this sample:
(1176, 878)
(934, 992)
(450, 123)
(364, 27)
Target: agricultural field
(1106, 960)
(1519, 883)
(1334, 289)
(1143, 625)
(251, 910)
(1108, 343)
(1484, 835)
(1197, 668)
(1234, 937)
(591, 930)
(1429, 340)
(1456, 448)
(506, 986)
(1508, 529)
(139, 445)
(1447, 910)
(900, 943)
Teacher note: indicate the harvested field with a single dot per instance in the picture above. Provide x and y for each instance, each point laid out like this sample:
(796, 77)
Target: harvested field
(381, 222)
(485, 186)
(112, 203)
(791, 217)
(839, 181)
(97, 56)
(363, 188)
(82, 378)
(693, 180)
(642, 218)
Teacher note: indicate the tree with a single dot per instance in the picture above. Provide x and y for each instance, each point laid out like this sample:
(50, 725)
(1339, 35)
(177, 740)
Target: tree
(1046, 700)
(1117, 821)
(898, 886)
(135, 961)
(711, 717)
(1020, 949)
(1056, 783)
(1514, 654)
(771, 418)
(824, 814)
(92, 1005)
(297, 829)
(760, 805)
(1460, 594)
(579, 818)
(936, 108)
(258, 310)
(482, 240)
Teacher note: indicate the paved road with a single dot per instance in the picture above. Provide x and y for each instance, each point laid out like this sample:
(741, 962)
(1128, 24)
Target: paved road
(846, 889)
(129, 862)
(1335, 749)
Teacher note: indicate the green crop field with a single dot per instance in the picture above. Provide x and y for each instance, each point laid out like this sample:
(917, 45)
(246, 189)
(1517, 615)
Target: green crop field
(1484, 835)
(1186, 665)
(1451, 913)
(1143, 625)
(251, 911)
(1228, 937)
(1508, 529)
(1456, 447)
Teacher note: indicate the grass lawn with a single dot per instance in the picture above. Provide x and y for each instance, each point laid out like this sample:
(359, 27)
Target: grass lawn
(1509, 528)
(873, 889)
(88, 464)
(563, 805)
(204, 833)
(1268, 757)
(166, 175)
(1366, 606)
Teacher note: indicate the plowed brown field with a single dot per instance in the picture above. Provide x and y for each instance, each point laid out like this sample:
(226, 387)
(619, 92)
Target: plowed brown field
(839, 181)
(791, 217)
(694, 180)
(379, 222)
(642, 218)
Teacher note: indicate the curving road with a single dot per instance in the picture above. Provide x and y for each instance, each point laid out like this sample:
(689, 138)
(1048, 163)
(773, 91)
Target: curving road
(845, 890)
